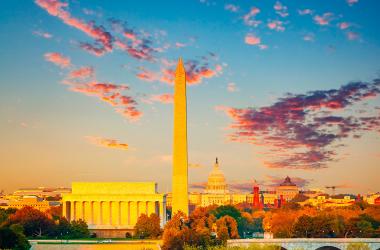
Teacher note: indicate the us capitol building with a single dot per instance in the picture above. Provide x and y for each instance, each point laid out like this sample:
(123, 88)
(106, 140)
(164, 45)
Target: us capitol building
(216, 192)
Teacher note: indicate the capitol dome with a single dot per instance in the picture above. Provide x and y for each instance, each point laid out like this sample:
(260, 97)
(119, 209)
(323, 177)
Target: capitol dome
(216, 183)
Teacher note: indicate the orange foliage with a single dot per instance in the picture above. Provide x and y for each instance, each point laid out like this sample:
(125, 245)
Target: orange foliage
(227, 228)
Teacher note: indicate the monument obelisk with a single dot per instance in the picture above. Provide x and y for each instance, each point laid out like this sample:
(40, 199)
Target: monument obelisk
(180, 201)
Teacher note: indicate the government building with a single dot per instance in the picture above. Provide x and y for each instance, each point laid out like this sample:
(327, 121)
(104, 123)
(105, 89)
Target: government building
(216, 192)
(111, 209)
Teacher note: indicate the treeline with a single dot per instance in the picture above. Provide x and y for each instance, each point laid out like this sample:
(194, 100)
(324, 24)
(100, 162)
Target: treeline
(205, 227)
(18, 225)
(292, 221)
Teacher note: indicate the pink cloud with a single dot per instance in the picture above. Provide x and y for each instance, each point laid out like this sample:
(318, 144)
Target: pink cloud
(252, 39)
(42, 34)
(281, 9)
(249, 18)
(323, 20)
(352, 36)
(58, 59)
(276, 25)
(162, 98)
(57, 8)
(305, 12)
(196, 71)
(352, 2)
(302, 131)
(109, 93)
(344, 25)
(82, 73)
(231, 7)
(106, 142)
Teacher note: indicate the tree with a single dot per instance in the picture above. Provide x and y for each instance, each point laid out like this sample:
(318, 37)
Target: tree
(148, 227)
(34, 222)
(79, 229)
(13, 238)
(176, 232)
(227, 228)
(234, 213)
(303, 227)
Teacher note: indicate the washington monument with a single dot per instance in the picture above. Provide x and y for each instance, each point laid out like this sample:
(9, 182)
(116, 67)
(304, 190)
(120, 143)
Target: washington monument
(180, 200)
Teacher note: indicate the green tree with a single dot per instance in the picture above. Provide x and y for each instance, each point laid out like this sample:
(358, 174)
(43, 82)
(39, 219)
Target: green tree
(79, 229)
(13, 238)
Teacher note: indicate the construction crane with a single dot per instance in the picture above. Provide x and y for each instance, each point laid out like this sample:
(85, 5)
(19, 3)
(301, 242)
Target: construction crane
(334, 187)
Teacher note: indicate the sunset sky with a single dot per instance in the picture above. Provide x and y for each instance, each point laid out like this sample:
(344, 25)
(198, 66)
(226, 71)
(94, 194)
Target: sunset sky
(275, 88)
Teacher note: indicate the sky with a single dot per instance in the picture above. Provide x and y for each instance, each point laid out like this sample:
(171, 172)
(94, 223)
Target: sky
(275, 89)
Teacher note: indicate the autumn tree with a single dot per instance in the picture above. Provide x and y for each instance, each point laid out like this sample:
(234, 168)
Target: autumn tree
(176, 232)
(227, 228)
(34, 222)
(148, 227)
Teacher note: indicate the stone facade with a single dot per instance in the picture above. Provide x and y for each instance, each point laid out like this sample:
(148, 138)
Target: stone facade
(111, 208)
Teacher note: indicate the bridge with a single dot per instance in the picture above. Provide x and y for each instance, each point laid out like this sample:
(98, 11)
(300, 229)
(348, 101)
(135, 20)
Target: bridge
(313, 243)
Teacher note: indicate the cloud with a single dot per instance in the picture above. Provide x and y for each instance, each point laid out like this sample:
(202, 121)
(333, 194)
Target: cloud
(81, 73)
(276, 25)
(301, 131)
(231, 7)
(111, 93)
(352, 36)
(105, 142)
(344, 25)
(305, 12)
(352, 2)
(281, 9)
(196, 165)
(166, 98)
(251, 39)
(43, 34)
(196, 71)
(231, 87)
(198, 185)
(309, 37)
(102, 38)
(58, 59)
(249, 18)
(241, 186)
(274, 181)
(324, 19)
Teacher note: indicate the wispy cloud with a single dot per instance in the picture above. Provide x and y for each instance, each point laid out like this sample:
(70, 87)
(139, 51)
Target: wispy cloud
(106, 142)
(352, 35)
(231, 7)
(231, 87)
(352, 2)
(252, 39)
(82, 73)
(58, 59)
(196, 71)
(103, 39)
(249, 18)
(276, 25)
(281, 9)
(324, 19)
(301, 131)
(305, 12)
(43, 34)
(166, 98)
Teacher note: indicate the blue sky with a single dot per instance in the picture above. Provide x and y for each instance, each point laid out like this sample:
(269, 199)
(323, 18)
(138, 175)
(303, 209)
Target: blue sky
(58, 127)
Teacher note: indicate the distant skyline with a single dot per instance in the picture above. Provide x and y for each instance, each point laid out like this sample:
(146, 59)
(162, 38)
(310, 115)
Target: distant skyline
(275, 89)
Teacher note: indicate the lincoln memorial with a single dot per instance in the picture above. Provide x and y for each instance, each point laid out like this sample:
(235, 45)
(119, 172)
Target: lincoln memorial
(111, 209)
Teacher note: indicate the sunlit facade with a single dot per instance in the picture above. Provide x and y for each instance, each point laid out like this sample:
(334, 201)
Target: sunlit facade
(111, 209)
